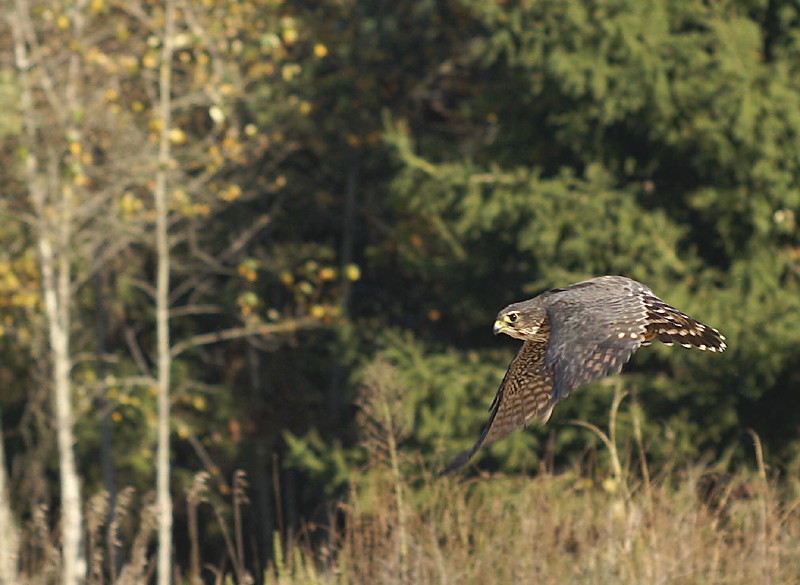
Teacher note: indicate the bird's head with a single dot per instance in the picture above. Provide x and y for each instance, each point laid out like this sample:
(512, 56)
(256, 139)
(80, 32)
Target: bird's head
(520, 320)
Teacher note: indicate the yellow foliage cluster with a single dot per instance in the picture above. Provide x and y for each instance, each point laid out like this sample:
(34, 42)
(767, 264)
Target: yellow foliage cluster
(19, 283)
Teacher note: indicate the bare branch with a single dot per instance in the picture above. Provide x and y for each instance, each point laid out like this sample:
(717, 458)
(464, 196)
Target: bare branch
(191, 283)
(143, 286)
(136, 351)
(240, 242)
(195, 310)
(107, 253)
(288, 326)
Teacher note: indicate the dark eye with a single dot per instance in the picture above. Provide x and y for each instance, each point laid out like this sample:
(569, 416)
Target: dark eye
(511, 317)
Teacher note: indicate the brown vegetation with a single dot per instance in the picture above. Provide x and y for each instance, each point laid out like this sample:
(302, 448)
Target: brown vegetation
(692, 526)
(603, 521)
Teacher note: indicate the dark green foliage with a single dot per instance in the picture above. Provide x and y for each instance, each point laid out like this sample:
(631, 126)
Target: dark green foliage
(655, 140)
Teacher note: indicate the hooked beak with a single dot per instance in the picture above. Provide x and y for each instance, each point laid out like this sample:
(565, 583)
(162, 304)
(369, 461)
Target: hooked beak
(499, 326)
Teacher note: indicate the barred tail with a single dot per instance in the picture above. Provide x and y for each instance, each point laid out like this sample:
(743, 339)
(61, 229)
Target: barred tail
(669, 325)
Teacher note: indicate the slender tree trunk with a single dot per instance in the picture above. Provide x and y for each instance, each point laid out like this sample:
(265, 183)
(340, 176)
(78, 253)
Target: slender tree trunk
(56, 306)
(106, 430)
(262, 462)
(72, 524)
(53, 235)
(162, 303)
(9, 536)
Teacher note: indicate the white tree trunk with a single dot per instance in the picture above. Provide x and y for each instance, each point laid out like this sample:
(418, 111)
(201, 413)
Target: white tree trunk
(9, 536)
(52, 203)
(57, 309)
(162, 303)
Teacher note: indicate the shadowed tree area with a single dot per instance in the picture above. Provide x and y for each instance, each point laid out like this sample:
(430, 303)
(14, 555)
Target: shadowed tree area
(350, 191)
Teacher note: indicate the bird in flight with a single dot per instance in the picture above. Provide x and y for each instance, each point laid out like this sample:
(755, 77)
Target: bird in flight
(576, 335)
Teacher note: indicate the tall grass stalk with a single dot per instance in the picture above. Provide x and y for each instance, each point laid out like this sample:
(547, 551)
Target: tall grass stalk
(691, 525)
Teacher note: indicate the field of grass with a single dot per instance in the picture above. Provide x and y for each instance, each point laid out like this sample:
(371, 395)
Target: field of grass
(688, 527)
(609, 523)
(692, 527)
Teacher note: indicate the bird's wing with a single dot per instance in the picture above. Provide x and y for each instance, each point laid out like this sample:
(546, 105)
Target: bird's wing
(594, 330)
(524, 394)
(669, 325)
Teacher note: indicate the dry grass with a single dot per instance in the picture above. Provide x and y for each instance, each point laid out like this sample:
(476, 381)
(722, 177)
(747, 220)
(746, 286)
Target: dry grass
(687, 527)
(563, 529)
(402, 526)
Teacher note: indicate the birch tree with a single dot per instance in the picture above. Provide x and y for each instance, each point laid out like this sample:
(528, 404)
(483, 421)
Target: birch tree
(161, 199)
(133, 141)
(66, 197)
(52, 202)
(9, 532)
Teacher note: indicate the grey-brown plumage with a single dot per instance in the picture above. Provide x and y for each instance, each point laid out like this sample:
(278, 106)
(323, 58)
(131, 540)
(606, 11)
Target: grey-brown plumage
(576, 335)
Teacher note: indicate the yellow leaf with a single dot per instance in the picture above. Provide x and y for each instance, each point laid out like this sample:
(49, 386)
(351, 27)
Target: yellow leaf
(200, 210)
(247, 270)
(129, 62)
(182, 40)
(177, 136)
(149, 61)
(327, 273)
(352, 272)
(609, 485)
(290, 71)
(232, 193)
(290, 36)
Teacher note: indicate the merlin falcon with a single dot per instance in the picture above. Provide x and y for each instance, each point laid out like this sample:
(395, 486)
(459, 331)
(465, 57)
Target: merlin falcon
(576, 335)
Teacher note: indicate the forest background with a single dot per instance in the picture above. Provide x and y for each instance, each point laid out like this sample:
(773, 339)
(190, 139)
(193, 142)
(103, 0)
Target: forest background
(286, 227)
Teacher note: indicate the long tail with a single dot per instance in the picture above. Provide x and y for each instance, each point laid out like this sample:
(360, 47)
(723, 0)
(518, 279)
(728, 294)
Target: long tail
(669, 325)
